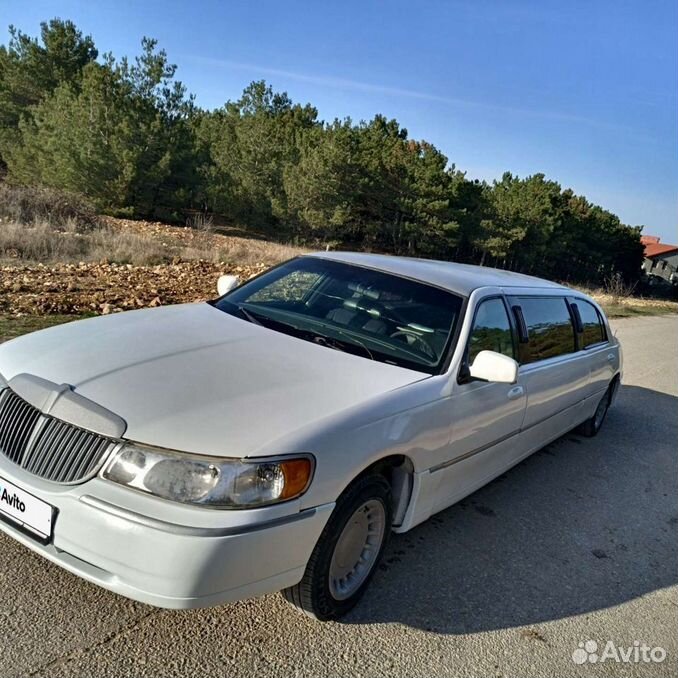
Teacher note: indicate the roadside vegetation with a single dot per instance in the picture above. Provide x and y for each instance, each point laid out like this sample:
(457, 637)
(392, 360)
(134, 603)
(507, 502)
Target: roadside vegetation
(637, 307)
(627, 305)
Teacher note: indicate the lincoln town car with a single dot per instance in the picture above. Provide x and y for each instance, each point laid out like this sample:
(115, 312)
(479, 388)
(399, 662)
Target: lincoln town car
(273, 438)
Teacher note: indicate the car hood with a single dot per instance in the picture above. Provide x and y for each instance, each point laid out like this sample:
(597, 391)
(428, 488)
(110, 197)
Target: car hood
(193, 378)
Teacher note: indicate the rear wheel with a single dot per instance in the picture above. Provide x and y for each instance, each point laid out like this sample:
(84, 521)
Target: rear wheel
(591, 426)
(347, 552)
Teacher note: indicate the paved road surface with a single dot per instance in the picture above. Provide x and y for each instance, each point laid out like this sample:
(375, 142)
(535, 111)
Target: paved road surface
(576, 543)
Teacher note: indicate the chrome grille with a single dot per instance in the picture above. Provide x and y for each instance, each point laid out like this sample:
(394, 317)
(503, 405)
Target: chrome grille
(17, 421)
(47, 447)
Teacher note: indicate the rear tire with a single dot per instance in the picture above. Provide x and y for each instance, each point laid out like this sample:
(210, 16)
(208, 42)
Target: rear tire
(591, 426)
(347, 553)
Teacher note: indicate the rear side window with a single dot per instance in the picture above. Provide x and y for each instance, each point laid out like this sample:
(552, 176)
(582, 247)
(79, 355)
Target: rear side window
(491, 330)
(594, 330)
(549, 327)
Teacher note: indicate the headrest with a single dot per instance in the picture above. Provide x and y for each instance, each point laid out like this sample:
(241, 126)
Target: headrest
(359, 288)
(355, 305)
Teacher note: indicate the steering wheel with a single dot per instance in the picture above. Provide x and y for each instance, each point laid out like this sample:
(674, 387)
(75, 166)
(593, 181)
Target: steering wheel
(428, 350)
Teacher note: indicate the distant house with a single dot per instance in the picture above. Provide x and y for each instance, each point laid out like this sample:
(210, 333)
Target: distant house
(661, 260)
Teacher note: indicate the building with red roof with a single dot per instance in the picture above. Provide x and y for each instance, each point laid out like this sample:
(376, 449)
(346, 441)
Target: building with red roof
(661, 260)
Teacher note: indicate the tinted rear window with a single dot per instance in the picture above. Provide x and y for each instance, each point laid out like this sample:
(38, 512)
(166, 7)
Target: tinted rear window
(549, 328)
(594, 330)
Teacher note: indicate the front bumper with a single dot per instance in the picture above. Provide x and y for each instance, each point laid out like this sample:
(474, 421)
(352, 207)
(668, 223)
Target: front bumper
(169, 555)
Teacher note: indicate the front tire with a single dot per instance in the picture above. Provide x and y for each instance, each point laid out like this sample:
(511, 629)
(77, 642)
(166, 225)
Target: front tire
(347, 553)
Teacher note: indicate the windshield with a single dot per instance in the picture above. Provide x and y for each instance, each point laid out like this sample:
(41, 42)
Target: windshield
(372, 314)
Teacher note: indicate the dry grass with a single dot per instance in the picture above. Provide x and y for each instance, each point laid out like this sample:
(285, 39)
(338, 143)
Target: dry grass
(113, 242)
(203, 241)
(30, 204)
(40, 242)
(249, 252)
(619, 305)
(630, 306)
(42, 225)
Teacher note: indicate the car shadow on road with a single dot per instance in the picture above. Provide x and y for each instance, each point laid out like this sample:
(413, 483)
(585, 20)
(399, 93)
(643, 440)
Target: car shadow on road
(582, 525)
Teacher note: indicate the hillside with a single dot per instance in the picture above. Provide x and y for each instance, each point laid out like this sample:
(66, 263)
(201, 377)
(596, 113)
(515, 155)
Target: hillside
(121, 265)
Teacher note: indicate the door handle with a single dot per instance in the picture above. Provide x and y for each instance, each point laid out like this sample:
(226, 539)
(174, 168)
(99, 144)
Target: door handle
(515, 392)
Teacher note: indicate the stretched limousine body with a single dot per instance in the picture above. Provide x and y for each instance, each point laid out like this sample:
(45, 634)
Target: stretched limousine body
(273, 438)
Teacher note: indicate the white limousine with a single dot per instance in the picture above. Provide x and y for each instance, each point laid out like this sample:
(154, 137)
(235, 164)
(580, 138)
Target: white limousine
(272, 439)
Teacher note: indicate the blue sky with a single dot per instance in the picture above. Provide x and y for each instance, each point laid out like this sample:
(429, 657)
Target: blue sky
(584, 91)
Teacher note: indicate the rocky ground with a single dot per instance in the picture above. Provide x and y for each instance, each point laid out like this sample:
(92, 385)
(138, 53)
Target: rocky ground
(193, 259)
(108, 288)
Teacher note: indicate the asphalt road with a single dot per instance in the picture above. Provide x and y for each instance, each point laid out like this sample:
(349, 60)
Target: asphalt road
(576, 543)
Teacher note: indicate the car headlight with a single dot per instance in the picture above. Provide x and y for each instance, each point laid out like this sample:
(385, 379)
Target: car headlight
(209, 481)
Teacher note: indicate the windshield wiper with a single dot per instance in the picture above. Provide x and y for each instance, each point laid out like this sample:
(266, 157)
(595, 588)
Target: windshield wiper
(248, 315)
(237, 309)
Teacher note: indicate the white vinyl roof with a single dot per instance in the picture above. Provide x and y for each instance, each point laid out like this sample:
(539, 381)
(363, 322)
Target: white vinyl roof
(459, 278)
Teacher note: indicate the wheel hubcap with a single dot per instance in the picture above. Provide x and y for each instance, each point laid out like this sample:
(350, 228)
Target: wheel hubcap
(357, 549)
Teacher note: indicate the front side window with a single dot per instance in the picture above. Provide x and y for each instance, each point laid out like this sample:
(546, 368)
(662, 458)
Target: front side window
(594, 330)
(340, 306)
(491, 330)
(549, 328)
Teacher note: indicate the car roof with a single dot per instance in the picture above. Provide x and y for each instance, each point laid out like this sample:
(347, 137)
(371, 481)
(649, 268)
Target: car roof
(459, 278)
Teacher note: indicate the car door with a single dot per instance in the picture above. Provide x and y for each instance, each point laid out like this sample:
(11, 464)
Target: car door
(486, 417)
(594, 343)
(553, 372)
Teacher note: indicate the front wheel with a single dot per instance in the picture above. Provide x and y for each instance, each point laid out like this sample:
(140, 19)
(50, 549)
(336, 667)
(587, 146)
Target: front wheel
(347, 553)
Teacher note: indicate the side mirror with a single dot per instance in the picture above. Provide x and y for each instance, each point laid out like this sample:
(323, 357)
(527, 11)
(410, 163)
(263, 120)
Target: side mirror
(496, 367)
(226, 283)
